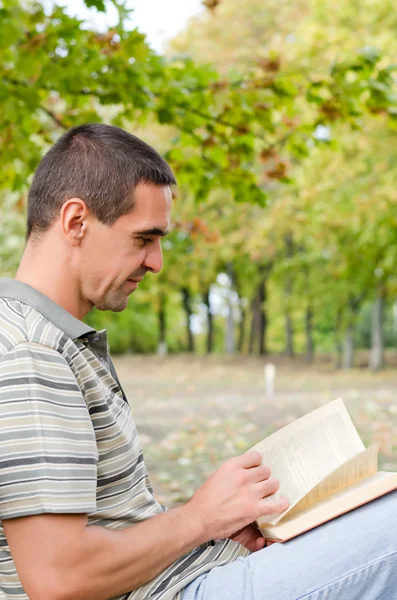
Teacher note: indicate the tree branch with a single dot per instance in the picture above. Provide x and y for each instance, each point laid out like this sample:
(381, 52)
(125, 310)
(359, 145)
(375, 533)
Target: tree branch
(54, 117)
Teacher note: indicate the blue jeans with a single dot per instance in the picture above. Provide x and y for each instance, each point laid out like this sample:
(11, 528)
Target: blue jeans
(353, 557)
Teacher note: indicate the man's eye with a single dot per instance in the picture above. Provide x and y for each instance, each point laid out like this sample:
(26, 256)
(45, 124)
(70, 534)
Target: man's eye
(144, 241)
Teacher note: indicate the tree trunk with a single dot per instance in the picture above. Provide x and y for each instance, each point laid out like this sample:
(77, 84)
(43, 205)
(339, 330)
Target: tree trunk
(243, 314)
(255, 308)
(259, 322)
(309, 334)
(348, 347)
(376, 358)
(162, 344)
(262, 317)
(241, 329)
(188, 311)
(288, 285)
(354, 303)
(230, 346)
(210, 323)
(338, 340)
(289, 335)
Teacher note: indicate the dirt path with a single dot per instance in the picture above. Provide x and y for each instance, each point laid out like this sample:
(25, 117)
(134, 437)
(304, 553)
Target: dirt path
(194, 412)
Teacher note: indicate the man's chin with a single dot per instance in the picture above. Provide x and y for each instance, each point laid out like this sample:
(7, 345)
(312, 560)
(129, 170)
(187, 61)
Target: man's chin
(114, 305)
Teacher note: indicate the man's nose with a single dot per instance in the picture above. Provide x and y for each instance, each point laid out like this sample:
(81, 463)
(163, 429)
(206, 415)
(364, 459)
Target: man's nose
(154, 258)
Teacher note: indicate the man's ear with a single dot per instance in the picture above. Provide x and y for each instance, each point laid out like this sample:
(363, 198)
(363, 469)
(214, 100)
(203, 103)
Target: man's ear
(74, 214)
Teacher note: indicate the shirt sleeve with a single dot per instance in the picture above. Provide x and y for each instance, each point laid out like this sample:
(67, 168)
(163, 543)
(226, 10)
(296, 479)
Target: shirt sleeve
(48, 452)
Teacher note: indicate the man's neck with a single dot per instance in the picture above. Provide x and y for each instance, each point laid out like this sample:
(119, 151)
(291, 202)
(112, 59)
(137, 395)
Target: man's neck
(44, 268)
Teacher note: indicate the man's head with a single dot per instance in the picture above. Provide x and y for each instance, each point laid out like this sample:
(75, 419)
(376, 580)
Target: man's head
(101, 198)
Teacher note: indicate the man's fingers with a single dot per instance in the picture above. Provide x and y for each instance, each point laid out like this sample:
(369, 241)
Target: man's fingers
(249, 459)
(269, 507)
(267, 488)
(257, 474)
(260, 543)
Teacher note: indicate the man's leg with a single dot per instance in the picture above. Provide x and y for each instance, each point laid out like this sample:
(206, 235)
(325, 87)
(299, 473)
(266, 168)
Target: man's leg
(353, 557)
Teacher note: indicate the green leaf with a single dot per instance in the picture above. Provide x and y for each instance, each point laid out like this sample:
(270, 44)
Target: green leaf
(98, 4)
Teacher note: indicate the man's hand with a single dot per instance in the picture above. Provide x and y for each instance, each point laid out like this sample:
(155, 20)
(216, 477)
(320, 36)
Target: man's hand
(249, 537)
(234, 497)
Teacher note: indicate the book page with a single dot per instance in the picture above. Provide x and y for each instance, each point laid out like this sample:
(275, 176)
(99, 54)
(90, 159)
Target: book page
(359, 467)
(306, 451)
(362, 492)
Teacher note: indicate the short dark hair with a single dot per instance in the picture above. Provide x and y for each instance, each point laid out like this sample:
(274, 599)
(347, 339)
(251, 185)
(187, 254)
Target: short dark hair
(102, 165)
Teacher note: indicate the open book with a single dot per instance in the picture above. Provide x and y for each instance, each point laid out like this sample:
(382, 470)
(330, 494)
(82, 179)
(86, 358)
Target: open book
(323, 469)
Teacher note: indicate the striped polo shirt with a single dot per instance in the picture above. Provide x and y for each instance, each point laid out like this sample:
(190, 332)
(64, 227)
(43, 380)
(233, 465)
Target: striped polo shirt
(68, 442)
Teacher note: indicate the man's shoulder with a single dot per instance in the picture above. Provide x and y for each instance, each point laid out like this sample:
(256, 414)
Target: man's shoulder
(21, 323)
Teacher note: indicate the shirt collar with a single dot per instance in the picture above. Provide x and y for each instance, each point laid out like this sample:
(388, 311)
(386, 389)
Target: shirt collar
(60, 317)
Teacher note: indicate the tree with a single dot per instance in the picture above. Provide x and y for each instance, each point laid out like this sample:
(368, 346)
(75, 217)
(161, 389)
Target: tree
(56, 74)
(237, 135)
(304, 36)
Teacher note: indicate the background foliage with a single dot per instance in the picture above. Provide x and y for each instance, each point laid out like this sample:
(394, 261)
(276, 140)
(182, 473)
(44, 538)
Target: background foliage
(281, 132)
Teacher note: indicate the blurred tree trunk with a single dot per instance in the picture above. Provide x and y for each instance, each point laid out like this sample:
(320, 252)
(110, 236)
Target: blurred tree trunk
(230, 346)
(376, 358)
(162, 344)
(338, 339)
(348, 347)
(259, 321)
(288, 286)
(309, 334)
(241, 329)
(243, 314)
(348, 343)
(289, 335)
(210, 322)
(188, 310)
(254, 324)
(262, 297)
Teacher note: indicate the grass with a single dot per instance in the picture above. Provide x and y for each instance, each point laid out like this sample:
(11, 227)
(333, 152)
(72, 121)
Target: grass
(193, 412)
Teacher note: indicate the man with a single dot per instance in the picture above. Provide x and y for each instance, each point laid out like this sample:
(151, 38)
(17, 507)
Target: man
(79, 518)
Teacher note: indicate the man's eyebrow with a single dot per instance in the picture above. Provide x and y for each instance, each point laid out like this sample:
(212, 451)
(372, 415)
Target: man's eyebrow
(153, 231)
